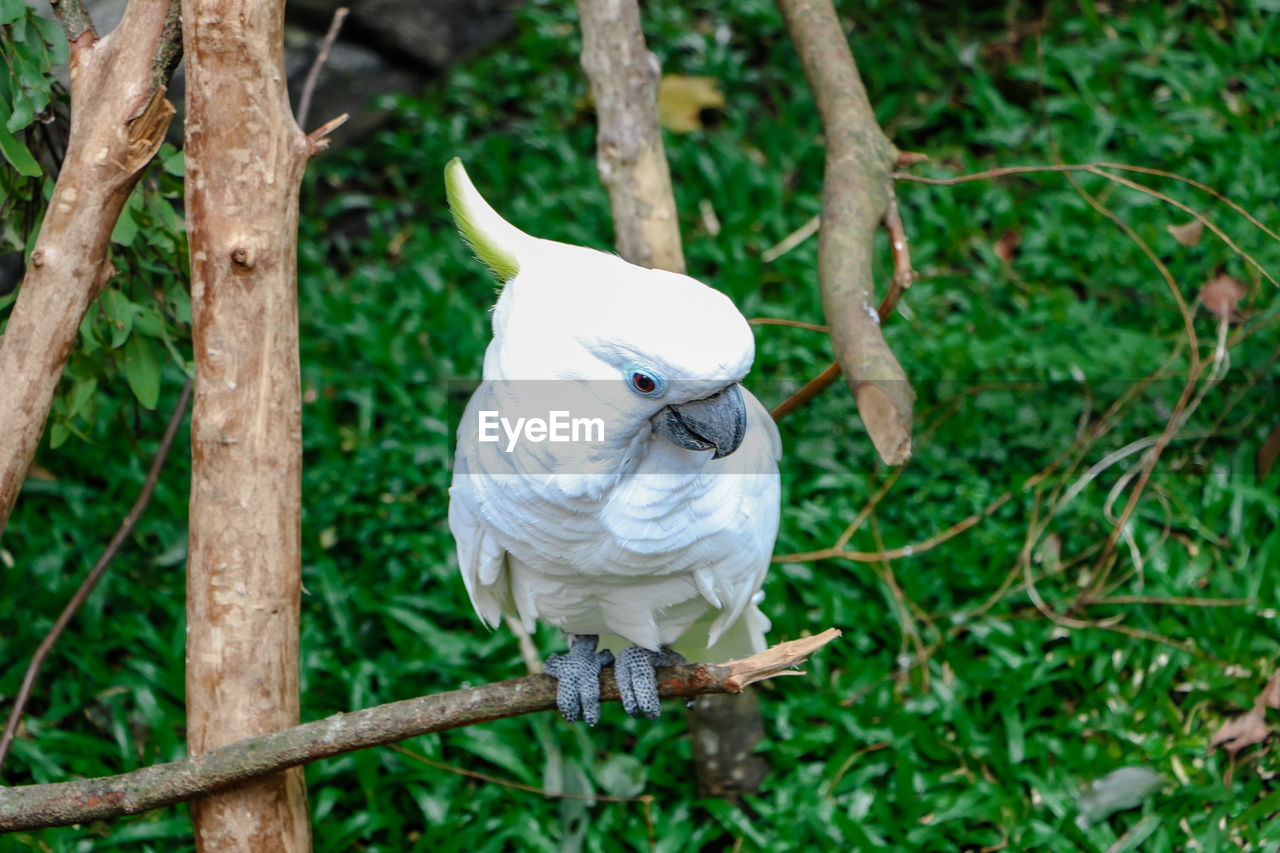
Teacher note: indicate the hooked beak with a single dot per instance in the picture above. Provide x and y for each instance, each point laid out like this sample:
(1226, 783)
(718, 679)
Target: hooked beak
(714, 423)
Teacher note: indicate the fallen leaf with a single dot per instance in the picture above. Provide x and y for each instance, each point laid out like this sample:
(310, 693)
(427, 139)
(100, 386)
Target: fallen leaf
(1270, 695)
(1007, 246)
(1189, 233)
(1242, 731)
(681, 101)
(1248, 728)
(1221, 296)
(1125, 788)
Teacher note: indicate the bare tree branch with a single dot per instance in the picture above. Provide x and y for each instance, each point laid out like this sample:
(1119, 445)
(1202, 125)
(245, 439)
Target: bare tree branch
(856, 193)
(64, 803)
(313, 74)
(95, 574)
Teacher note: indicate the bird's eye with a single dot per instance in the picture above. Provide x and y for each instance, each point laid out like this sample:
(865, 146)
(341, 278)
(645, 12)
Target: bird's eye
(645, 382)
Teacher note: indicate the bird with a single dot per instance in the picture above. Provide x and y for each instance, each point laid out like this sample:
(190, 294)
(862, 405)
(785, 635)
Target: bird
(612, 477)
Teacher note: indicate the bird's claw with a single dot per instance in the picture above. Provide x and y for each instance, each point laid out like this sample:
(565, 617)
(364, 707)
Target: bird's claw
(637, 681)
(577, 675)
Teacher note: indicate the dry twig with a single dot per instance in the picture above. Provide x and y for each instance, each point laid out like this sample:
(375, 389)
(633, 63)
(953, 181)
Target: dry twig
(95, 574)
(313, 74)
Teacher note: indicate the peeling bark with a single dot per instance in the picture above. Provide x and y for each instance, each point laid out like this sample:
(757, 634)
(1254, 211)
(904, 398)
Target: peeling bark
(245, 157)
(856, 190)
(119, 115)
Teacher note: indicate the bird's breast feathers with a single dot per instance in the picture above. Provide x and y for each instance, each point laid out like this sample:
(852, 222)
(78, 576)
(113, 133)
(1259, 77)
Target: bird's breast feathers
(641, 552)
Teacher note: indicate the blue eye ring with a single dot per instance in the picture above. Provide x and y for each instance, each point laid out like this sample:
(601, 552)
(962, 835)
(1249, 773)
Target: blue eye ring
(644, 381)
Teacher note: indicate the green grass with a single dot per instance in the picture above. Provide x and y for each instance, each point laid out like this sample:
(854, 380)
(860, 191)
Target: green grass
(936, 723)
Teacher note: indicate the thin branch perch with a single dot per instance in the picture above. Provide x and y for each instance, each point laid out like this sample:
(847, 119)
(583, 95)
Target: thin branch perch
(64, 803)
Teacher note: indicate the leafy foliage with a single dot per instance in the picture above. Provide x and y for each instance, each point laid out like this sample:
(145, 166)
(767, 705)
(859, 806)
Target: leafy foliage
(955, 715)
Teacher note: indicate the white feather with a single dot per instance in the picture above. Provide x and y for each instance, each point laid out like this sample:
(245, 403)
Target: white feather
(630, 536)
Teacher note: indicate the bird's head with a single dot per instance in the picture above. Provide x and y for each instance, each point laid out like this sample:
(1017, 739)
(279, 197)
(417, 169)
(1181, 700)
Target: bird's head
(661, 352)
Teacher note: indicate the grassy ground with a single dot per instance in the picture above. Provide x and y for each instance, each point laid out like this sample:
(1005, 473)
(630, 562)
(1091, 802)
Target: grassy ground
(969, 699)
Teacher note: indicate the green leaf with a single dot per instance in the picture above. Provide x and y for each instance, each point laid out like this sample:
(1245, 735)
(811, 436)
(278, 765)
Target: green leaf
(622, 775)
(1141, 831)
(92, 341)
(81, 392)
(55, 41)
(18, 155)
(732, 819)
(126, 227)
(119, 311)
(176, 165)
(142, 369)
(12, 10)
(23, 112)
(58, 435)
(146, 319)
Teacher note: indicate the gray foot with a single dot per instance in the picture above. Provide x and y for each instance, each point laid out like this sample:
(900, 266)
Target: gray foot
(578, 679)
(637, 682)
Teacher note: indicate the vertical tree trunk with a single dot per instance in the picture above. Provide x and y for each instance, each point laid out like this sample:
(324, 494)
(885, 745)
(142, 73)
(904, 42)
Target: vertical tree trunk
(245, 159)
(118, 119)
(632, 162)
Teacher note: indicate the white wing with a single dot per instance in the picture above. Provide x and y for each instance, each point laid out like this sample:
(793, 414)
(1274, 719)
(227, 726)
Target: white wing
(482, 561)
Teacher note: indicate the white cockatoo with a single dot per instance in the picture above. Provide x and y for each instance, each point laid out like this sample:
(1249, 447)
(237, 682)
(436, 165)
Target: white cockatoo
(612, 477)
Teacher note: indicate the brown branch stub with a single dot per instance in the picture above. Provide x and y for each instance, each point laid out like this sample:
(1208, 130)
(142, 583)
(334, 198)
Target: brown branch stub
(169, 48)
(778, 660)
(630, 157)
(63, 803)
(856, 195)
(75, 19)
(318, 139)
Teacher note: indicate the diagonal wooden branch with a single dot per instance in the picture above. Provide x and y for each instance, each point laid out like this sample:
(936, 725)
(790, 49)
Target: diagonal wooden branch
(64, 803)
(119, 114)
(857, 190)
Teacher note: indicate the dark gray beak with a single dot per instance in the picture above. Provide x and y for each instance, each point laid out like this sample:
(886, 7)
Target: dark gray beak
(714, 423)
